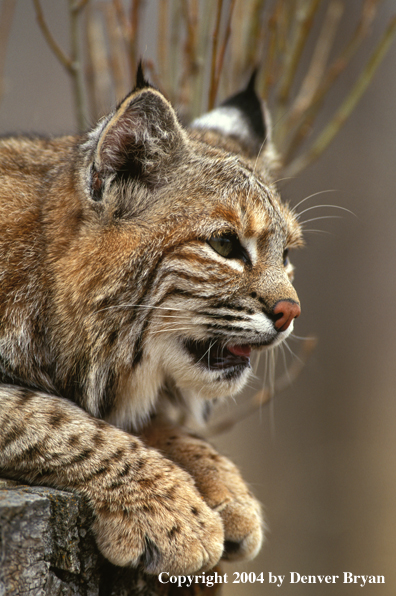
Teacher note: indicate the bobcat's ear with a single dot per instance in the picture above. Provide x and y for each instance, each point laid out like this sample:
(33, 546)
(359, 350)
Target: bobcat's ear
(243, 118)
(141, 140)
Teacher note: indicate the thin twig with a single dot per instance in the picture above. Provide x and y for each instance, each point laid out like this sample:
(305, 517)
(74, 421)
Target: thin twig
(174, 61)
(255, 33)
(199, 97)
(130, 31)
(303, 23)
(134, 30)
(72, 64)
(6, 16)
(89, 73)
(304, 20)
(265, 395)
(76, 64)
(270, 56)
(116, 64)
(348, 105)
(335, 70)
(162, 42)
(78, 6)
(97, 59)
(123, 21)
(56, 49)
(220, 61)
(215, 40)
(318, 63)
(189, 13)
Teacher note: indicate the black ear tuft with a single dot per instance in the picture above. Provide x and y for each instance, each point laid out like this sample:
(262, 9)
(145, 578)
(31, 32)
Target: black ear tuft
(243, 118)
(141, 81)
(248, 103)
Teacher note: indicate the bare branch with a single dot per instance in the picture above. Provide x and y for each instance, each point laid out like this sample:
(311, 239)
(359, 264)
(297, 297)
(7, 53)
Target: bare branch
(270, 56)
(66, 62)
(189, 13)
(174, 53)
(76, 65)
(305, 124)
(320, 56)
(304, 19)
(348, 105)
(162, 42)
(115, 52)
(134, 29)
(223, 48)
(6, 16)
(199, 96)
(97, 73)
(80, 5)
(215, 40)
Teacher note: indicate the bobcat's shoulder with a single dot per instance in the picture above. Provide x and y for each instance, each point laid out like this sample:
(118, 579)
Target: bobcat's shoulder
(140, 261)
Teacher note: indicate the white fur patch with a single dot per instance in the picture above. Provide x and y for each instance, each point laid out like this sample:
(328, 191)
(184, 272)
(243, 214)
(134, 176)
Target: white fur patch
(261, 323)
(227, 120)
(250, 244)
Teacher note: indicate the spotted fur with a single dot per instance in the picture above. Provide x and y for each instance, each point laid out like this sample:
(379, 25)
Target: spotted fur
(115, 301)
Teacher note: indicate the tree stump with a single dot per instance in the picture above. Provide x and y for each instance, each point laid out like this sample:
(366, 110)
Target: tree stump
(47, 549)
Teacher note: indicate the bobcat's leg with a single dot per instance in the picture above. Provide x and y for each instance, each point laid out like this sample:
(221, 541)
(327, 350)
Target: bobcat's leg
(219, 482)
(147, 509)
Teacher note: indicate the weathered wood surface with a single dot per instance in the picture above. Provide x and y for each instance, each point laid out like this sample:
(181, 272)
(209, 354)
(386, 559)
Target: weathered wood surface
(47, 549)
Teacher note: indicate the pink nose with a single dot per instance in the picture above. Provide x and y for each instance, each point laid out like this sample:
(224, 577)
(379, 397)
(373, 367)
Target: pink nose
(284, 312)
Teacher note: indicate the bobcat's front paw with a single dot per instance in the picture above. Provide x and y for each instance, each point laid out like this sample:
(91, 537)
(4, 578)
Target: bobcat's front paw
(243, 524)
(157, 518)
(221, 485)
(224, 490)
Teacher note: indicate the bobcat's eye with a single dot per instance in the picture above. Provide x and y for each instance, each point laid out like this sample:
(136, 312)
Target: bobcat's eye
(286, 257)
(221, 245)
(229, 247)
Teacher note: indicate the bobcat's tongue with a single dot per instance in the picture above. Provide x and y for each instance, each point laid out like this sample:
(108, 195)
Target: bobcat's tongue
(243, 350)
(215, 356)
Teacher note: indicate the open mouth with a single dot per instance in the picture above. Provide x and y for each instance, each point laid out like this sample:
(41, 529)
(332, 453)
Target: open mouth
(213, 355)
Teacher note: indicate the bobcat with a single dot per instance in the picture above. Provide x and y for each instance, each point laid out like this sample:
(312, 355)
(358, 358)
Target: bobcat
(139, 266)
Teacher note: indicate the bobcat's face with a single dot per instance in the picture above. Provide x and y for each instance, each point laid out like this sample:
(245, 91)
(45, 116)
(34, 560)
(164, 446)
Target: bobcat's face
(224, 275)
(179, 268)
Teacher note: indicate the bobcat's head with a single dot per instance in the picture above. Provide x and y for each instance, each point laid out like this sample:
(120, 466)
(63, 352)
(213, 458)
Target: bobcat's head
(187, 241)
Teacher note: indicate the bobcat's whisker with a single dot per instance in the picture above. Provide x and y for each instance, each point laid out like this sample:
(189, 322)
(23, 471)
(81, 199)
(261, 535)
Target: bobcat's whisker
(282, 347)
(169, 330)
(148, 306)
(298, 215)
(315, 194)
(300, 337)
(175, 317)
(256, 360)
(302, 223)
(286, 345)
(286, 178)
(207, 351)
(316, 231)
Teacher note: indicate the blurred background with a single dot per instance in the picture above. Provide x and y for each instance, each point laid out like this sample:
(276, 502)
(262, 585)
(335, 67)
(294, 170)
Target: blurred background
(321, 456)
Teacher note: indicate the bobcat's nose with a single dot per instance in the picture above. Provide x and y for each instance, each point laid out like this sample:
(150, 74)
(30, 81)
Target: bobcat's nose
(284, 312)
